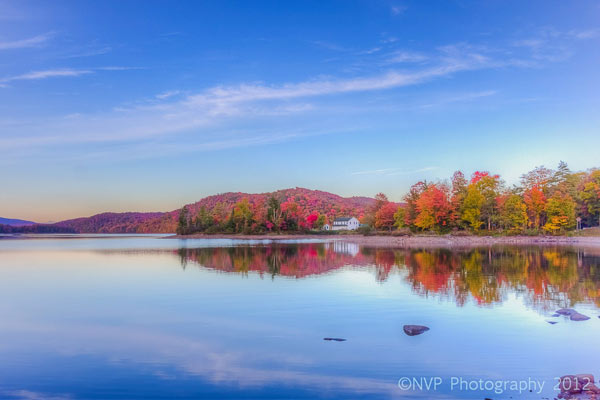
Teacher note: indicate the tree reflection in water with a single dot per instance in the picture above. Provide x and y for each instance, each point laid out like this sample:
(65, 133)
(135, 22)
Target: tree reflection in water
(547, 277)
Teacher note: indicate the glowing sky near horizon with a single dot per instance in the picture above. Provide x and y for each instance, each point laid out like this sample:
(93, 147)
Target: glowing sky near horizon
(122, 106)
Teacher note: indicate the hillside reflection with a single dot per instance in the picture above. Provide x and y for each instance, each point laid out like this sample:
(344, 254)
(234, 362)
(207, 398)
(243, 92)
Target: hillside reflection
(546, 276)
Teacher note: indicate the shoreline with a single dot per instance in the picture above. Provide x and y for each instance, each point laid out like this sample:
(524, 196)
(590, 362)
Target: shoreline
(414, 241)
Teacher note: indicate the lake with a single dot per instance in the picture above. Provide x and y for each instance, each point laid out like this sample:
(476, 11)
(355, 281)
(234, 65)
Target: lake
(144, 317)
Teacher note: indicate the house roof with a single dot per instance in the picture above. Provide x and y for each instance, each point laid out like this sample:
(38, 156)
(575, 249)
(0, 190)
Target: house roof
(343, 219)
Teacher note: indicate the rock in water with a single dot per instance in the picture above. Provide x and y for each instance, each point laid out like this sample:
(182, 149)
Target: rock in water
(552, 322)
(572, 314)
(335, 339)
(579, 317)
(413, 330)
(566, 311)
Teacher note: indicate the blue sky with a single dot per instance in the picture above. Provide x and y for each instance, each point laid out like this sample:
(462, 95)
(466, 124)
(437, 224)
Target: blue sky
(120, 106)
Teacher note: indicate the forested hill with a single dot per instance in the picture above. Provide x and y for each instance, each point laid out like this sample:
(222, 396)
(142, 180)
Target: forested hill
(308, 201)
(127, 222)
(304, 202)
(15, 222)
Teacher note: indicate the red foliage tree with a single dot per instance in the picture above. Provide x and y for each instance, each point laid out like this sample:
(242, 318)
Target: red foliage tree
(384, 217)
(311, 219)
(477, 175)
(434, 208)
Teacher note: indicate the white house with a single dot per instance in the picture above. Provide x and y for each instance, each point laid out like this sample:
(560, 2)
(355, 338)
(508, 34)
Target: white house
(346, 223)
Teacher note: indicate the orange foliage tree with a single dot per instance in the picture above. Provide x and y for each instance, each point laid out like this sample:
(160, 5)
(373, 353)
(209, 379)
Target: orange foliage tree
(536, 204)
(434, 208)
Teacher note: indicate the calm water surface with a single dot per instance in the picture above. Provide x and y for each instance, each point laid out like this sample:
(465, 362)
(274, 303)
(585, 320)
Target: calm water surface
(143, 317)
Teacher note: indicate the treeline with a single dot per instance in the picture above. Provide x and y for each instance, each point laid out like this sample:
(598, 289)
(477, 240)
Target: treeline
(289, 210)
(545, 201)
(126, 222)
(273, 215)
(38, 228)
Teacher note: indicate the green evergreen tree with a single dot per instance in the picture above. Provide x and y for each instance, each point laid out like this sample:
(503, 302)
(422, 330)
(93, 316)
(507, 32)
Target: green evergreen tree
(183, 222)
(274, 213)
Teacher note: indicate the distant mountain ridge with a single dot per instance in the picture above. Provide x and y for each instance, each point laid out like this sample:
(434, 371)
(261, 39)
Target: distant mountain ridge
(15, 222)
(309, 200)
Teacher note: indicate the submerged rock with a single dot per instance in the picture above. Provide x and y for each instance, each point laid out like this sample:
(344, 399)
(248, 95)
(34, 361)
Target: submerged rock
(566, 311)
(335, 339)
(555, 315)
(552, 322)
(579, 317)
(413, 330)
(572, 314)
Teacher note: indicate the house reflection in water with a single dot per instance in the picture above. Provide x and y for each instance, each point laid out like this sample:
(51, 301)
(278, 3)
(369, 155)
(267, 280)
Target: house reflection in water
(351, 249)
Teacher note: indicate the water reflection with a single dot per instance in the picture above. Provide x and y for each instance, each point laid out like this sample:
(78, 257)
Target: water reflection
(545, 277)
(105, 318)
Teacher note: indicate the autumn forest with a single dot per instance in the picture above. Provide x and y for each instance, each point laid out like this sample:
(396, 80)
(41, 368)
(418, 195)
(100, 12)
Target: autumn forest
(545, 201)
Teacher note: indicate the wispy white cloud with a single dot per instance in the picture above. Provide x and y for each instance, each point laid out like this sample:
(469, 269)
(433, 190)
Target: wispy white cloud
(388, 40)
(397, 9)
(551, 45)
(399, 57)
(206, 357)
(167, 94)
(329, 45)
(452, 63)
(585, 34)
(548, 36)
(25, 43)
(225, 105)
(59, 73)
(168, 34)
(383, 171)
(31, 395)
(372, 50)
(50, 73)
(531, 43)
(463, 97)
(91, 52)
(117, 68)
(219, 140)
(204, 115)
